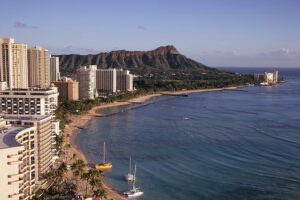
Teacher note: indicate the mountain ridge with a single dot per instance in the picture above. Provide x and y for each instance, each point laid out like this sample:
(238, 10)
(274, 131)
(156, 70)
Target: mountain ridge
(161, 58)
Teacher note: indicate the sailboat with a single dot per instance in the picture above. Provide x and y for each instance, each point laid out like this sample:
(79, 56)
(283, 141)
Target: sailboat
(129, 177)
(104, 165)
(134, 192)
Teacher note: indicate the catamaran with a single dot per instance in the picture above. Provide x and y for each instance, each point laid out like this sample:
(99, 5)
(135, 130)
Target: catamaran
(129, 177)
(134, 192)
(104, 165)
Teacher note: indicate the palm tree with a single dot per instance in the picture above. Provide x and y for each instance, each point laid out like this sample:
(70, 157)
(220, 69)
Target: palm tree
(86, 177)
(70, 189)
(100, 193)
(95, 182)
(78, 167)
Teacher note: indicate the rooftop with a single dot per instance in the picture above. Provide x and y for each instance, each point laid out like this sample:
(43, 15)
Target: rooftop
(8, 137)
(31, 89)
(26, 117)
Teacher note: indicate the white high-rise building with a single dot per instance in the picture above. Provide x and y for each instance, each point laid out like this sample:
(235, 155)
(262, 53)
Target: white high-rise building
(38, 67)
(13, 63)
(42, 142)
(124, 80)
(114, 80)
(54, 69)
(271, 77)
(26, 152)
(18, 161)
(86, 76)
(28, 101)
(92, 80)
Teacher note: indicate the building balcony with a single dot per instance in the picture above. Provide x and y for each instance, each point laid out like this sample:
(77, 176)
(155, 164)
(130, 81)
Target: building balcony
(18, 180)
(16, 162)
(15, 196)
(15, 176)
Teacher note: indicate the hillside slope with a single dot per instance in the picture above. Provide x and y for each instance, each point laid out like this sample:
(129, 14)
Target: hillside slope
(162, 58)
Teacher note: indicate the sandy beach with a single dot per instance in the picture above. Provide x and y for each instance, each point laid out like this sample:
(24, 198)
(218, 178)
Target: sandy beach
(80, 121)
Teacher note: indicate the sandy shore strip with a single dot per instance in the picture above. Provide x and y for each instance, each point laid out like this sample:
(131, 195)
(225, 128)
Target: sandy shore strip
(81, 121)
(201, 90)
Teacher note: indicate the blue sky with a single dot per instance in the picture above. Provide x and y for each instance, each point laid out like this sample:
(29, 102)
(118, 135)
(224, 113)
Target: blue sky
(214, 32)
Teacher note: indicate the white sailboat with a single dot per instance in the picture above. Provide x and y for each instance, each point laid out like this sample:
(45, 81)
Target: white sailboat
(134, 192)
(129, 177)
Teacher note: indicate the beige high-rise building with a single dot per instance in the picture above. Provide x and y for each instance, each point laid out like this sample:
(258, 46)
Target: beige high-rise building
(86, 76)
(67, 89)
(106, 80)
(13, 63)
(38, 67)
(54, 69)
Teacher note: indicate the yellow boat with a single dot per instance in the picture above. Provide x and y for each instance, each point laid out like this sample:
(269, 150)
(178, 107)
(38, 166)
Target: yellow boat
(104, 165)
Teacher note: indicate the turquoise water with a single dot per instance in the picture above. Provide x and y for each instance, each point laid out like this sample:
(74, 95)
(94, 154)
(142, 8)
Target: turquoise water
(216, 145)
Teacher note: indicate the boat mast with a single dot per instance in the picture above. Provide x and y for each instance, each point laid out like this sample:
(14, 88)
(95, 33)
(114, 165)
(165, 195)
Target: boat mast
(130, 165)
(104, 152)
(133, 185)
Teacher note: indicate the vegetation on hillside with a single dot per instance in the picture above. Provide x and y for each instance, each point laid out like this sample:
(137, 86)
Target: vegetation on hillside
(162, 58)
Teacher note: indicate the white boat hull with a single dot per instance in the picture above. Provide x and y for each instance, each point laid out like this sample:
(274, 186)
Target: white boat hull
(130, 195)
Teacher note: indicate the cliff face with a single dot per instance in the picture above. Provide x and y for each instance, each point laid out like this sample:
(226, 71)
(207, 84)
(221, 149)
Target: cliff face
(162, 58)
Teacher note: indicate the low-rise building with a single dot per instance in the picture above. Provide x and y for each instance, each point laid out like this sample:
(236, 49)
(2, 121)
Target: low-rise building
(67, 89)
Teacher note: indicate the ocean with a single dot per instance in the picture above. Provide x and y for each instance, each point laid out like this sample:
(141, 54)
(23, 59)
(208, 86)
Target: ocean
(231, 145)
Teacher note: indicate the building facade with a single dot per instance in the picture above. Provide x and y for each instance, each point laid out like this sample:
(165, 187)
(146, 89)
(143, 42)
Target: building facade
(106, 80)
(54, 69)
(42, 145)
(28, 101)
(124, 80)
(38, 67)
(17, 161)
(13, 63)
(67, 89)
(86, 76)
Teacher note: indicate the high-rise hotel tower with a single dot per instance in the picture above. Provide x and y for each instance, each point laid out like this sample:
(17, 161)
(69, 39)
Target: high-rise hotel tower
(54, 69)
(38, 67)
(13, 63)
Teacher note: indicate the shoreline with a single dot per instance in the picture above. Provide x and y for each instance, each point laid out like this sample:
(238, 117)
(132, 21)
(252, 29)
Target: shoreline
(82, 120)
